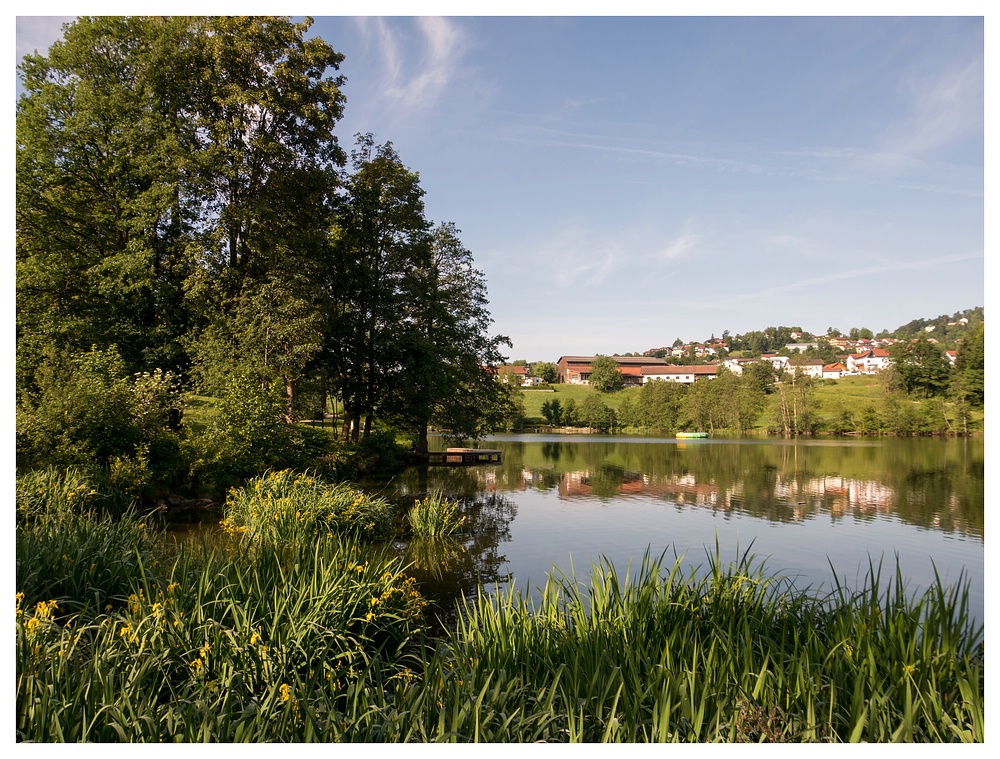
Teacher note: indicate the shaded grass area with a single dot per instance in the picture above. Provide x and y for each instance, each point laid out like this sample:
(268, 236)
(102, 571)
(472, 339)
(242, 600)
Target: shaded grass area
(321, 637)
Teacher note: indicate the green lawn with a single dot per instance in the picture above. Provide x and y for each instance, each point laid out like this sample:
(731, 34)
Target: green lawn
(849, 393)
(533, 399)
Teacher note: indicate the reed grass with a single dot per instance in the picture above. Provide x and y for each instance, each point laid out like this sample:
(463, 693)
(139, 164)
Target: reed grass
(434, 517)
(731, 655)
(259, 645)
(286, 507)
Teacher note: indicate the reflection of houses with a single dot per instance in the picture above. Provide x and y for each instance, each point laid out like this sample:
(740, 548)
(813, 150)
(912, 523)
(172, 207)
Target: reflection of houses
(805, 498)
(682, 489)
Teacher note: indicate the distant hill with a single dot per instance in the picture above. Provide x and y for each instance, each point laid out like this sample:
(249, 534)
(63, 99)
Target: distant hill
(947, 330)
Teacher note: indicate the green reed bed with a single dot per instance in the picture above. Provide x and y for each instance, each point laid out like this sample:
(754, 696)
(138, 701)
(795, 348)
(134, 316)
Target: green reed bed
(434, 517)
(734, 655)
(257, 642)
(287, 507)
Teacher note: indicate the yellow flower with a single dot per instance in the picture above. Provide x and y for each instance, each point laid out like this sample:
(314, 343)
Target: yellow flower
(286, 691)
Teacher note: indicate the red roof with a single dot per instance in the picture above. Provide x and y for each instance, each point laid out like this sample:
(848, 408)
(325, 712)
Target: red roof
(512, 369)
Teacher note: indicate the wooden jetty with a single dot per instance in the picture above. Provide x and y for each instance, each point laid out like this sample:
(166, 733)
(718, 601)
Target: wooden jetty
(459, 456)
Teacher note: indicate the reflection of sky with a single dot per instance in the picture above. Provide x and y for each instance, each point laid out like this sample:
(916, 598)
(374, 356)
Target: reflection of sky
(550, 531)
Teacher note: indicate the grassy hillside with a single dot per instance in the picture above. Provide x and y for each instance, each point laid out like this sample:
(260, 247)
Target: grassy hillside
(851, 394)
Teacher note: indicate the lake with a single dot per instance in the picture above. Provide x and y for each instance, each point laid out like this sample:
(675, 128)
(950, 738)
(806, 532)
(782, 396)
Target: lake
(802, 506)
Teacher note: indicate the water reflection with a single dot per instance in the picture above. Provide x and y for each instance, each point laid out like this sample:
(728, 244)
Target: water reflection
(932, 484)
(556, 502)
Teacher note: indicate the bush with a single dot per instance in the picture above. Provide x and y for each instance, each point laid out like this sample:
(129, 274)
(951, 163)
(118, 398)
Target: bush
(87, 411)
(250, 434)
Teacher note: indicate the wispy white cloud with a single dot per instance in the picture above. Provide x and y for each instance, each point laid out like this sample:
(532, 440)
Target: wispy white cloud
(414, 74)
(858, 275)
(944, 108)
(680, 247)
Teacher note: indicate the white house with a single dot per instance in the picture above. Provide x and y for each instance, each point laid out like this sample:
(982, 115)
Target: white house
(780, 363)
(686, 375)
(834, 371)
(869, 361)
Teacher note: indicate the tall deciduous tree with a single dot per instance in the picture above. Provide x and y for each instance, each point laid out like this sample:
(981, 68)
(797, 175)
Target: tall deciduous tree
(99, 229)
(166, 166)
(382, 236)
(451, 356)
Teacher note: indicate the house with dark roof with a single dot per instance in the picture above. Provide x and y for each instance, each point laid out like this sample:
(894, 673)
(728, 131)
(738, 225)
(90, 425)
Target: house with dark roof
(575, 370)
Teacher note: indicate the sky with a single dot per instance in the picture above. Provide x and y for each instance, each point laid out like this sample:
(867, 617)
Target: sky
(624, 181)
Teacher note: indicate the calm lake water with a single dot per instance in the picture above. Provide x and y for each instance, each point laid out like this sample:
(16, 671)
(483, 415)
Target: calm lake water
(561, 502)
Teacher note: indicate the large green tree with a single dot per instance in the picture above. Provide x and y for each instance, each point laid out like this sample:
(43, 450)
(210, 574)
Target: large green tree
(382, 237)
(166, 168)
(605, 377)
(449, 354)
(922, 367)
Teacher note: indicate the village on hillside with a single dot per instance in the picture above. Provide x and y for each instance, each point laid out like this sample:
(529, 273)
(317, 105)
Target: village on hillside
(853, 357)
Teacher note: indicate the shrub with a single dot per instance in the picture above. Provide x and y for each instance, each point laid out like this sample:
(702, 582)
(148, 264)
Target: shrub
(88, 411)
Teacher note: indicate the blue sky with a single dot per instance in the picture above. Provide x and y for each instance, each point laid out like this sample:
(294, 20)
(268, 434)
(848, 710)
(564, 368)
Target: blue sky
(625, 181)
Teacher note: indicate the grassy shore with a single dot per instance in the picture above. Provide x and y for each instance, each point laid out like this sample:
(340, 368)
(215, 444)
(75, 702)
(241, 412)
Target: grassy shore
(306, 631)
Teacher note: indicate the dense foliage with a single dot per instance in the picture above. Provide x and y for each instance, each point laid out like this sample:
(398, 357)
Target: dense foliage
(187, 214)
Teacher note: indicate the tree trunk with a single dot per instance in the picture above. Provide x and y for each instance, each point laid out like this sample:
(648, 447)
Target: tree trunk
(422, 439)
(289, 400)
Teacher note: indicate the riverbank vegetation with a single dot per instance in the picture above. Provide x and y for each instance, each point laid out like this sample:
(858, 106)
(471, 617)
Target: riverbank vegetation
(298, 623)
(323, 636)
(742, 405)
